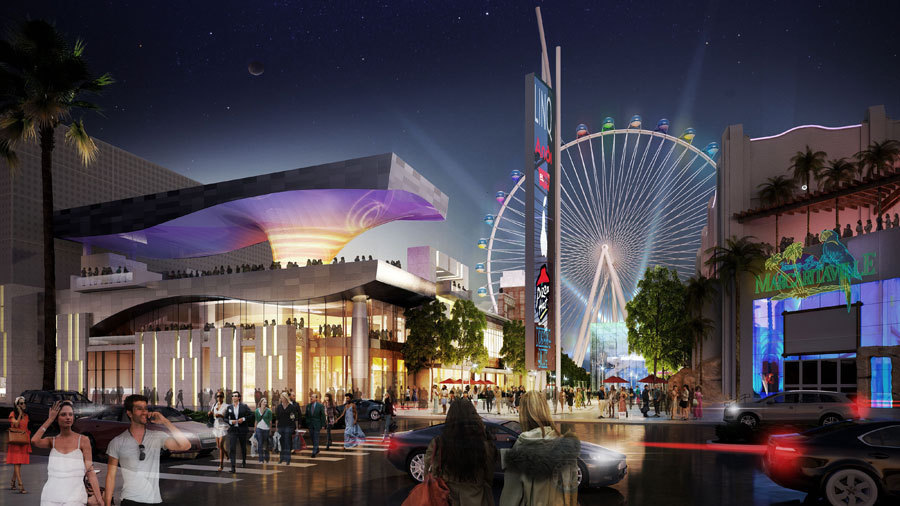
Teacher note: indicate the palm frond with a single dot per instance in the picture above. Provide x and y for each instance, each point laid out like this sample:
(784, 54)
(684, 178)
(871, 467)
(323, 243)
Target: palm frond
(16, 126)
(83, 143)
(9, 156)
(79, 48)
(104, 80)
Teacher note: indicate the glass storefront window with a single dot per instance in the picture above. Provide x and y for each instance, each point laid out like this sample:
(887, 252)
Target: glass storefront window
(248, 356)
(881, 382)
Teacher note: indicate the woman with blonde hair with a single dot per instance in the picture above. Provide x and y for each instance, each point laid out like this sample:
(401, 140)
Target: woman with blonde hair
(542, 466)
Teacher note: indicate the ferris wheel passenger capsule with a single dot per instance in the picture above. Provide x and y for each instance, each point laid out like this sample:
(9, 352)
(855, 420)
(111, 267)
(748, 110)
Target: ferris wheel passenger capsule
(689, 134)
(711, 149)
(489, 220)
(608, 124)
(482, 243)
(662, 125)
(500, 196)
(482, 292)
(516, 175)
(635, 121)
(581, 131)
(479, 268)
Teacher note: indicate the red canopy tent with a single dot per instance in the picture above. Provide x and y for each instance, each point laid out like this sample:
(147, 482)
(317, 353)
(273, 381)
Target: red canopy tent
(451, 382)
(652, 380)
(615, 379)
(482, 382)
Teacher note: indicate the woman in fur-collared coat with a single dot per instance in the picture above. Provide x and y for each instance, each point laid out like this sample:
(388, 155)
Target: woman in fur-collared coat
(542, 467)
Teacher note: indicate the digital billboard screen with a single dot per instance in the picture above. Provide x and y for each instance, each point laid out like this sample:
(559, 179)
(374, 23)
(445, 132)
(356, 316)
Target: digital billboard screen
(539, 135)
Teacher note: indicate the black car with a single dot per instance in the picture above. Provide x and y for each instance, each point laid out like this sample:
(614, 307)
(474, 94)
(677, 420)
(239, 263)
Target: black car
(39, 402)
(365, 409)
(597, 466)
(848, 462)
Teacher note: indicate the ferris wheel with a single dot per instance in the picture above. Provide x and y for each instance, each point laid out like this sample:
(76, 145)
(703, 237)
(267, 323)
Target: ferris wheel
(631, 198)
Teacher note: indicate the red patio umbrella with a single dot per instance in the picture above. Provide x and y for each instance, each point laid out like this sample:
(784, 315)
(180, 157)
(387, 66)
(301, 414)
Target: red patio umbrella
(652, 380)
(615, 379)
(487, 382)
(451, 381)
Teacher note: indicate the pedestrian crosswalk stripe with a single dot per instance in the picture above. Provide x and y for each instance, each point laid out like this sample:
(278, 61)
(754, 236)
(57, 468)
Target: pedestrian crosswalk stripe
(293, 464)
(196, 479)
(334, 452)
(240, 470)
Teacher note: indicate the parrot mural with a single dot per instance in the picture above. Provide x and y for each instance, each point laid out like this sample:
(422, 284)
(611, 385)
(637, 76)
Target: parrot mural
(836, 255)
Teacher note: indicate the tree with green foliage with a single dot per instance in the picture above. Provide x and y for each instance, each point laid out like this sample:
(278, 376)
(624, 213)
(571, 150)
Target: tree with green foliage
(698, 291)
(513, 350)
(429, 336)
(467, 324)
(572, 372)
(731, 261)
(656, 316)
(43, 81)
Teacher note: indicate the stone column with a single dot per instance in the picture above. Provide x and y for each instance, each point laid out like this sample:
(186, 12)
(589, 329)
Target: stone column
(359, 345)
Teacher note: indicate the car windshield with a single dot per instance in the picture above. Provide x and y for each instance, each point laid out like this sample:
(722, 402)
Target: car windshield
(513, 426)
(75, 397)
(171, 414)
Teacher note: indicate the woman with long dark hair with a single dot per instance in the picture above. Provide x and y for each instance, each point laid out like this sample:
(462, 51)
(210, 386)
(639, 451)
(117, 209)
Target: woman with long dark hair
(18, 453)
(464, 456)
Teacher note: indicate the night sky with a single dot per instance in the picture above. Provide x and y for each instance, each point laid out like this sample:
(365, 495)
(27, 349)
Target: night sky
(441, 82)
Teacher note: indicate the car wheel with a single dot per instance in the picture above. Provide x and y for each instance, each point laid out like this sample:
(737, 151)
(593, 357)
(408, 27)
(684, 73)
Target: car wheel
(583, 477)
(374, 415)
(830, 418)
(851, 486)
(416, 466)
(749, 419)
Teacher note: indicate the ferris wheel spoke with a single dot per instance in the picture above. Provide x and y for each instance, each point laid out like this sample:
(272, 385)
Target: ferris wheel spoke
(577, 174)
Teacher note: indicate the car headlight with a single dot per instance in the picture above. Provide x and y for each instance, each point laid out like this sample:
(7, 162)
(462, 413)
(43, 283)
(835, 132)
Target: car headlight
(621, 465)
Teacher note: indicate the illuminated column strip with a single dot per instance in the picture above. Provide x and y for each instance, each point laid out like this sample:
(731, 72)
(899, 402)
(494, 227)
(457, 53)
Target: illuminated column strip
(69, 337)
(194, 374)
(155, 367)
(142, 367)
(234, 361)
(269, 372)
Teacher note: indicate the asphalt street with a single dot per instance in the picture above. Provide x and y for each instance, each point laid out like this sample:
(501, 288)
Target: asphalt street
(668, 464)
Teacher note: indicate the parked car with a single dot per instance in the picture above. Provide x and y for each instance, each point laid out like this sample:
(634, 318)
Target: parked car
(597, 466)
(848, 462)
(39, 402)
(814, 407)
(112, 421)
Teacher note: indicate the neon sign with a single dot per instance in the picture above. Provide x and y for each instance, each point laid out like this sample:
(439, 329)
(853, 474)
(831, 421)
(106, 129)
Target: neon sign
(797, 275)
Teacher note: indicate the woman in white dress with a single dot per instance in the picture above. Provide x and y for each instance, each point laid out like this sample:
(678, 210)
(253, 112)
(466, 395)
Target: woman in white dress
(220, 427)
(70, 459)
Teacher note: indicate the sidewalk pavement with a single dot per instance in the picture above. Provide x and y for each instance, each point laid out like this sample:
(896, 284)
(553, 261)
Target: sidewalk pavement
(712, 415)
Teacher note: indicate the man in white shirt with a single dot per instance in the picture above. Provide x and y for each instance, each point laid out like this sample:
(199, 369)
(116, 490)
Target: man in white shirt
(137, 452)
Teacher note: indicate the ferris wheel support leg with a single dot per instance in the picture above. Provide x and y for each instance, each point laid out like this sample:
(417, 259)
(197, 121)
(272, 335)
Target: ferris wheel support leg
(581, 343)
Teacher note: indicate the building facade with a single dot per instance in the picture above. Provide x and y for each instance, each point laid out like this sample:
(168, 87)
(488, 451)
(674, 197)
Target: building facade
(840, 271)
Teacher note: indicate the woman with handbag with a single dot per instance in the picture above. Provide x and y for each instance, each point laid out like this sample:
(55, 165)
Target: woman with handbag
(263, 425)
(70, 460)
(219, 427)
(463, 457)
(18, 447)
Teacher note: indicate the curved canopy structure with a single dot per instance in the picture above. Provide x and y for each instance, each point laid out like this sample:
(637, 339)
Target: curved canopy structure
(309, 213)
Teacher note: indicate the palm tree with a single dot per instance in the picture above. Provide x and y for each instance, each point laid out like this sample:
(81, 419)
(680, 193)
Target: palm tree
(698, 292)
(833, 176)
(806, 164)
(776, 191)
(878, 158)
(699, 328)
(737, 257)
(43, 80)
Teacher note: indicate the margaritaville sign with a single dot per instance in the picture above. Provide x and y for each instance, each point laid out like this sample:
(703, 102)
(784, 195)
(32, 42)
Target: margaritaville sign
(795, 274)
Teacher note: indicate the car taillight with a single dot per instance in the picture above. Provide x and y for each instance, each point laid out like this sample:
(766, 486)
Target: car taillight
(392, 443)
